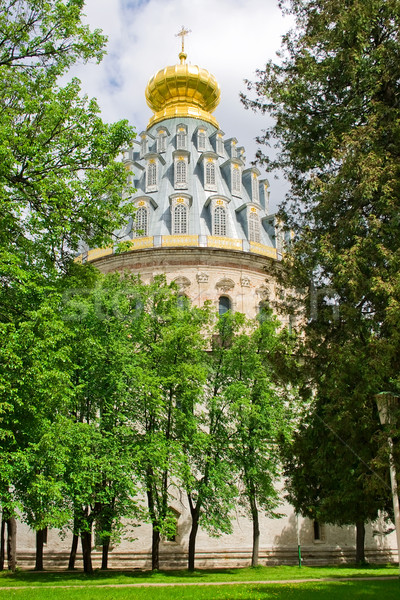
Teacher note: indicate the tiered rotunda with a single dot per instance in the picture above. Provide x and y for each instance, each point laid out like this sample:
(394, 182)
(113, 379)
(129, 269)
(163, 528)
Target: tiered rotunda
(202, 217)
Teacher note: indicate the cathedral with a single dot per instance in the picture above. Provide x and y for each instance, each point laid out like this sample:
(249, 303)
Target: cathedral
(202, 219)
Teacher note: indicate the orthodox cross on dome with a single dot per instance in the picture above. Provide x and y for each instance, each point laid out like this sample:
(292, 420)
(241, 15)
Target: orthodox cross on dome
(181, 34)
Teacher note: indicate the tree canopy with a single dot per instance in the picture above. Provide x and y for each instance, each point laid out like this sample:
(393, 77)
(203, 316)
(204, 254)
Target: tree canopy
(334, 94)
(59, 181)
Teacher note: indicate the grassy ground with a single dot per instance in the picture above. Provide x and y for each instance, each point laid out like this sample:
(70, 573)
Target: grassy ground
(61, 578)
(317, 590)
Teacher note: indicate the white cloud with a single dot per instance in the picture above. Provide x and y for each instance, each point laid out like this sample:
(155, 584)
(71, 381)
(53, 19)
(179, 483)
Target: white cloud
(230, 38)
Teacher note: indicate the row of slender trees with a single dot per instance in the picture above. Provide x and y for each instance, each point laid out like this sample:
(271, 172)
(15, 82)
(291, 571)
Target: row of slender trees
(124, 391)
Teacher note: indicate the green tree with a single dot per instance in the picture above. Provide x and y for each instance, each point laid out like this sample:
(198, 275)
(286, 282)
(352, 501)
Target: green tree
(232, 436)
(257, 398)
(334, 97)
(208, 476)
(327, 471)
(169, 374)
(35, 385)
(60, 185)
(101, 318)
(59, 181)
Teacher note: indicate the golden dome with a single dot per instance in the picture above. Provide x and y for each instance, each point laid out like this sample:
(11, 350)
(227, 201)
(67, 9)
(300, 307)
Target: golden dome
(183, 91)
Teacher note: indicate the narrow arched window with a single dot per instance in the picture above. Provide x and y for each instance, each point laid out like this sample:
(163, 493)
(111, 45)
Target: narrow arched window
(201, 140)
(181, 172)
(254, 188)
(236, 179)
(180, 219)
(224, 304)
(181, 139)
(219, 221)
(151, 174)
(210, 173)
(254, 228)
(143, 146)
(161, 142)
(141, 224)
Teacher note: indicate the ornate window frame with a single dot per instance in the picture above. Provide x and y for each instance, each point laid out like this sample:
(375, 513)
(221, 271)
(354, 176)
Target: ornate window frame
(180, 213)
(144, 145)
(209, 171)
(224, 304)
(209, 174)
(162, 136)
(146, 141)
(142, 203)
(201, 139)
(255, 191)
(153, 161)
(264, 201)
(236, 179)
(141, 223)
(181, 171)
(219, 147)
(219, 228)
(181, 137)
(220, 221)
(254, 225)
(151, 175)
(230, 147)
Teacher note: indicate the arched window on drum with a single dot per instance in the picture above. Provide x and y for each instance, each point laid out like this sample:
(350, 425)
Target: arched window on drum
(210, 173)
(220, 221)
(254, 227)
(142, 222)
(181, 138)
(180, 219)
(180, 173)
(151, 176)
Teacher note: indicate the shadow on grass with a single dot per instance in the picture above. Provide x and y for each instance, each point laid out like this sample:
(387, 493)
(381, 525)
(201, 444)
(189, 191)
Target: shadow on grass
(337, 590)
(261, 573)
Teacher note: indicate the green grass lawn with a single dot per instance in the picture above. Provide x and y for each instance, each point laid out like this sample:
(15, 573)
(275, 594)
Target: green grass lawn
(32, 578)
(318, 590)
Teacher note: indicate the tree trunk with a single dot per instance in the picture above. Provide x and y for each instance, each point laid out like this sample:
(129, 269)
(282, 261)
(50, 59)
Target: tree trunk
(256, 531)
(155, 549)
(2, 543)
(86, 540)
(74, 549)
(360, 542)
(155, 541)
(104, 557)
(40, 539)
(192, 537)
(12, 543)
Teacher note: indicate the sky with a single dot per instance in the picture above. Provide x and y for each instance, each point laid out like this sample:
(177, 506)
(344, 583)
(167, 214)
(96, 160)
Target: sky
(229, 38)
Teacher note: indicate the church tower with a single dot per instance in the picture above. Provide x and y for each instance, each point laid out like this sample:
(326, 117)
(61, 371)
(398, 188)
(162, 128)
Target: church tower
(202, 217)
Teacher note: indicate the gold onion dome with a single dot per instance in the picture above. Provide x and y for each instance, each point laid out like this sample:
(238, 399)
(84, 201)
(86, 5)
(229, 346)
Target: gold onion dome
(183, 91)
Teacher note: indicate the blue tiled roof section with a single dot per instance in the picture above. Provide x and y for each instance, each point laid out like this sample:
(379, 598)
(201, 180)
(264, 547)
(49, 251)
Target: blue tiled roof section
(200, 221)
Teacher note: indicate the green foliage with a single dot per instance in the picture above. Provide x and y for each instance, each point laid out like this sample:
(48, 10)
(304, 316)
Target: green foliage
(59, 181)
(334, 97)
(60, 185)
(258, 408)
